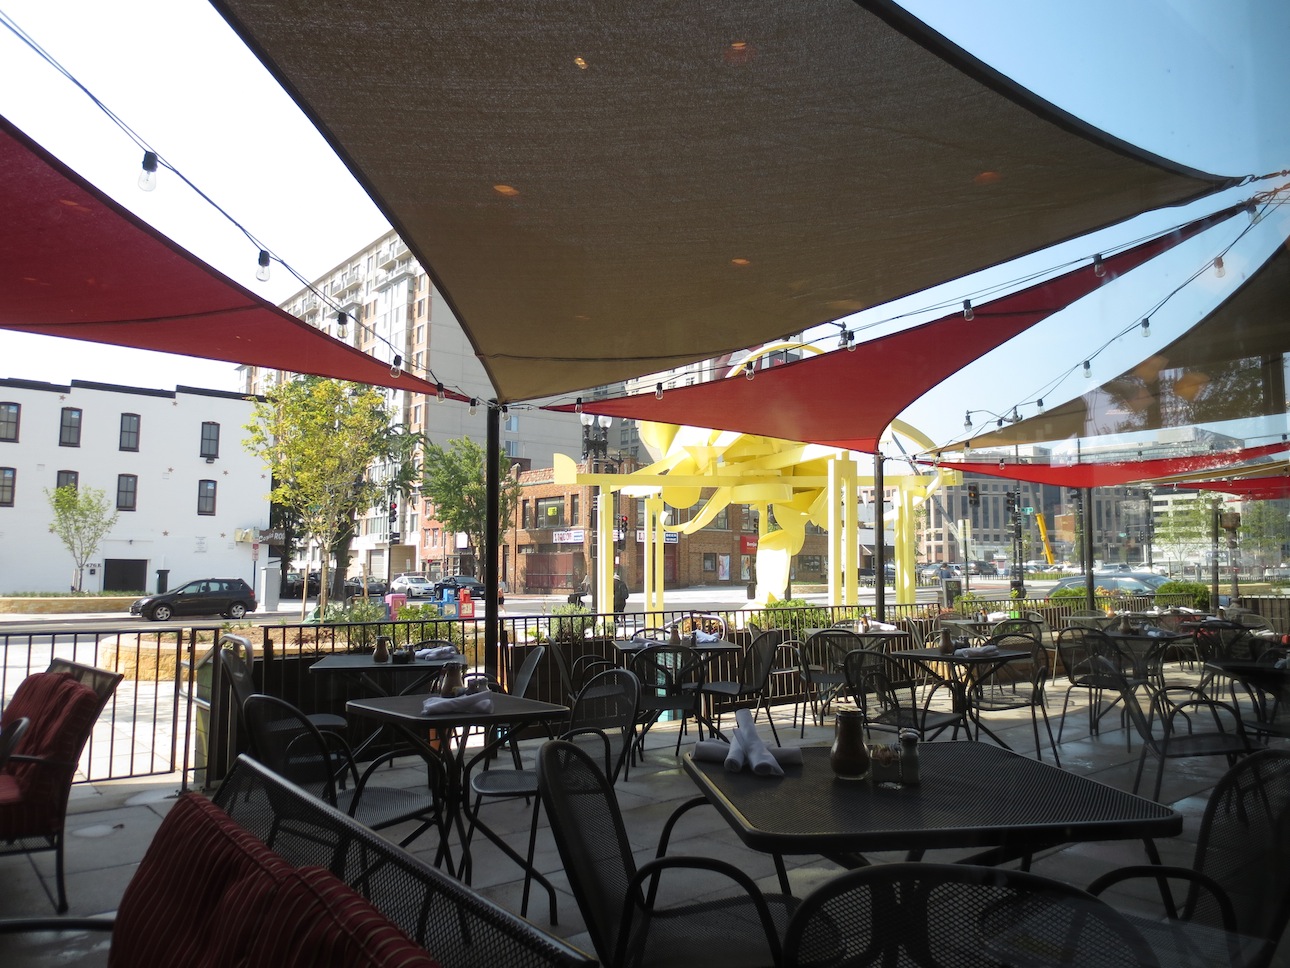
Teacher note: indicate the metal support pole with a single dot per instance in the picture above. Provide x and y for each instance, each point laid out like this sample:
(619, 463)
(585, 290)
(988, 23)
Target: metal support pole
(1086, 547)
(879, 551)
(492, 538)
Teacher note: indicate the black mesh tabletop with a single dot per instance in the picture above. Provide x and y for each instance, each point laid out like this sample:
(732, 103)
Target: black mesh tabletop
(971, 795)
(407, 711)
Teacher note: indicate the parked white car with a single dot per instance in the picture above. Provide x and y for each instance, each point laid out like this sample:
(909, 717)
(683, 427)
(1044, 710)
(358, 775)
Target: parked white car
(414, 586)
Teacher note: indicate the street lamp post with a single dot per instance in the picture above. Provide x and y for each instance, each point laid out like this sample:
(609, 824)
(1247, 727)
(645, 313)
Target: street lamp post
(595, 447)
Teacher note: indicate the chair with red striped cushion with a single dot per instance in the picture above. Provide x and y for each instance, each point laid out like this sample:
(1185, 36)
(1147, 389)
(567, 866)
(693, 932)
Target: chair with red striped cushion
(35, 782)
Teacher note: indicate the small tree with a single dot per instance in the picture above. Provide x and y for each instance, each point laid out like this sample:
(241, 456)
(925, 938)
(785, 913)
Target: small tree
(454, 484)
(318, 438)
(82, 519)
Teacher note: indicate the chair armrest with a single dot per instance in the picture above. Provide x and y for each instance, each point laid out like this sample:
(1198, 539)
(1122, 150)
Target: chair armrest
(1161, 874)
(651, 870)
(680, 811)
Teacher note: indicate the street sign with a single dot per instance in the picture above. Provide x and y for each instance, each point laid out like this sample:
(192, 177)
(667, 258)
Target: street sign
(255, 551)
(395, 537)
(1028, 510)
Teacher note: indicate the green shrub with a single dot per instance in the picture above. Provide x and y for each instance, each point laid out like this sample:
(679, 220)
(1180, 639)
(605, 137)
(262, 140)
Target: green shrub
(796, 615)
(1068, 592)
(1199, 592)
(569, 623)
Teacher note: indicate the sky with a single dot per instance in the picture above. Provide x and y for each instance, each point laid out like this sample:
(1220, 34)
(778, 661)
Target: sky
(1196, 81)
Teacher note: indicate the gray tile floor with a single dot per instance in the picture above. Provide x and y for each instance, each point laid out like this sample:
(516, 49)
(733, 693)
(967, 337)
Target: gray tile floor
(111, 824)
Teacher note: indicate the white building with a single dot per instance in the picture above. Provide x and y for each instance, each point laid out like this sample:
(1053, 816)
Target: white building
(171, 462)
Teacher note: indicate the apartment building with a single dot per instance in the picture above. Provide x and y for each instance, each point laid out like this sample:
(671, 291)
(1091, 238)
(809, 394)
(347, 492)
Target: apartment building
(189, 498)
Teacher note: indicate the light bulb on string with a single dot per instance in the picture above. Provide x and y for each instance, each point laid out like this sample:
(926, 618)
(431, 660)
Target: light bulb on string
(474, 405)
(342, 319)
(1220, 270)
(438, 392)
(396, 368)
(968, 312)
(658, 391)
(577, 405)
(1146, 328)
(1099, 267)
(1040, 404)
(148, 176)
(262, 273)
(749, 372)
(1088, 371)
(967, 420)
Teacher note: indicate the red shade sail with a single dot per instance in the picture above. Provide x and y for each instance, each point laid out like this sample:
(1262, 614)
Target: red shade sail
(74, 263)
(1114, 473)
(848, 399)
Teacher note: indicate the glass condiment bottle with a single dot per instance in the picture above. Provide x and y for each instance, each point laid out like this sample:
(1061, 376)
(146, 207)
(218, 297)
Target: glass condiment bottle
(849, 757)
(909, 756)
(452, 682)
(947, 642)
(382, 651)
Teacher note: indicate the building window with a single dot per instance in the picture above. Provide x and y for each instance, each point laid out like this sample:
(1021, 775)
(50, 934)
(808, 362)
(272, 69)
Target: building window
(550, 512)
(10, 413)
(709, 561)
(526, 514)
(512, 448)
(574, 510)
(721, 521)
(127, 492)
(205, 497)
(7, 477)
(68, 479)
(210, 439)
(512, 423)
(69, 428)
(129, 431)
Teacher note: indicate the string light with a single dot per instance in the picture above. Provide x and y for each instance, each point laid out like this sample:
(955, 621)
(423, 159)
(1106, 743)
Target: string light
(749, 372)
(438, 392)
(342, 319)
(396, 368)
(577, 405)
(148, 177)
(968, 313)
(262, 273)
(1146, 327)
(1099, 267)
(1219, 269)
(967, 420)
(1088, 371)
(1040, 404)
(658, 391)
(474, 405)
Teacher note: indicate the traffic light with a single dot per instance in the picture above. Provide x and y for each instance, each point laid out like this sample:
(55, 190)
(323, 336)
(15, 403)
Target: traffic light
(974, 496)
(1010, 501)
(622, 532)
(394, 513)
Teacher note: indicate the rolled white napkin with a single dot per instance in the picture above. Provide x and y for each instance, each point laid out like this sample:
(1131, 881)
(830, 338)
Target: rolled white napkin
(996, 616)
(718, 751)
(470, 702)
(702, 636)
(881, 626)
(438, 652)
(755, 750)
(975, 650)
(736, 755)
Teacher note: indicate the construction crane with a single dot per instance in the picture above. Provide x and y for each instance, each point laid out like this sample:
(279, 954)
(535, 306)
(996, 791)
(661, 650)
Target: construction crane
(1043, 536)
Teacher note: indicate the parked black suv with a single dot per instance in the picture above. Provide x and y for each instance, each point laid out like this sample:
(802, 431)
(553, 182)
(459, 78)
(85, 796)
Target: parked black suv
(230, 597)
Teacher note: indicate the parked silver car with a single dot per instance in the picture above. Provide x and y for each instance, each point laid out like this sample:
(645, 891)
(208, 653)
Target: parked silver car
(414, 586)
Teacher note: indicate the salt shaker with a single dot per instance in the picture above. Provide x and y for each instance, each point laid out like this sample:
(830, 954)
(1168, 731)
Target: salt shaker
(909, 757)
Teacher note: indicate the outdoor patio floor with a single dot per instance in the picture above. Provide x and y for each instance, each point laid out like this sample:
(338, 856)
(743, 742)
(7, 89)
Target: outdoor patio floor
(110, 826)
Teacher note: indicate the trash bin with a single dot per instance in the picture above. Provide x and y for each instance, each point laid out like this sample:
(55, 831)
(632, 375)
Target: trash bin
(394, 602)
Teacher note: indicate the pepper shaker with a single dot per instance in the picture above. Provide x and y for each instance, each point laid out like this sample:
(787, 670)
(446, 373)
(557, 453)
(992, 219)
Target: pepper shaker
(909, 757)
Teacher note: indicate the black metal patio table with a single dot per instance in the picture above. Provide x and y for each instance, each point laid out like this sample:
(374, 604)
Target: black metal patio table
(971, 795)
(1268, 688)
(406, 713)
(965, 671)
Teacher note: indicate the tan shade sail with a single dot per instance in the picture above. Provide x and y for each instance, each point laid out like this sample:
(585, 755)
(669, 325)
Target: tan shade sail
(1230, 366)
(605, 189)
(849, 398)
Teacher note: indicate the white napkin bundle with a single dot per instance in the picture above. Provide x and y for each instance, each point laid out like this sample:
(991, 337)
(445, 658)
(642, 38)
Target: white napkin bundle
(974, 650)
(438, 652)
(719, 751)
(470, 702)
(702, 636)
(747, 748)
(996, 616)
(881, 626)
